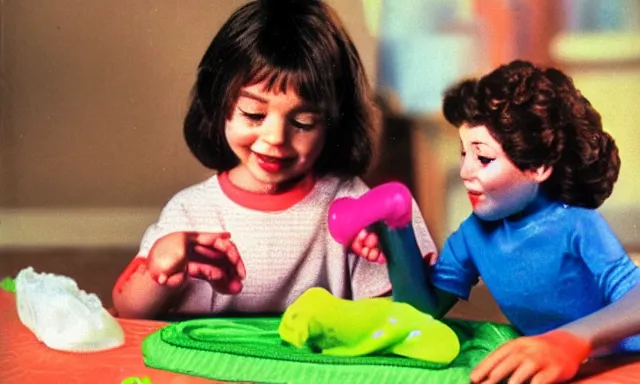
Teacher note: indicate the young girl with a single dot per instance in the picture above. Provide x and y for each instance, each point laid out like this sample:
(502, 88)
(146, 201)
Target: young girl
(536, 164)
(282, 110)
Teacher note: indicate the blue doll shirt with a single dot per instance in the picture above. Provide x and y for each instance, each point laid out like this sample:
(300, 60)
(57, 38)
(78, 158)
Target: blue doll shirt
(546, 267)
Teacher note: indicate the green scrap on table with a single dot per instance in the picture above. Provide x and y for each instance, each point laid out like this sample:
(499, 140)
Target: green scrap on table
(8, 284)
(136, 380)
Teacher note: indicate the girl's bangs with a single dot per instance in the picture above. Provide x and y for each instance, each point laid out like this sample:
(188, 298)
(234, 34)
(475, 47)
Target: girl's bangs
(313, 88)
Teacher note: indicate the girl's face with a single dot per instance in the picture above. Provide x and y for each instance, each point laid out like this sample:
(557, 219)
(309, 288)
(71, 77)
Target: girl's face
(495, 186)
(276, 136)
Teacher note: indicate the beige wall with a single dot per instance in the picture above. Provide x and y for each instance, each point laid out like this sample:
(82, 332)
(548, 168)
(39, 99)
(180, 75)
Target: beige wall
(93, 95)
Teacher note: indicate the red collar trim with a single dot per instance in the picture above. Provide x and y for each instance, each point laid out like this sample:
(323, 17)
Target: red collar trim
(264, 201)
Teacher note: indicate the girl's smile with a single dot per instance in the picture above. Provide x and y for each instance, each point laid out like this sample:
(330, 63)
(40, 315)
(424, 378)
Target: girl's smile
(273, 164)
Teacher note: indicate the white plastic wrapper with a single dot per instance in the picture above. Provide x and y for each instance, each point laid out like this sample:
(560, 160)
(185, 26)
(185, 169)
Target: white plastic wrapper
(62, 316)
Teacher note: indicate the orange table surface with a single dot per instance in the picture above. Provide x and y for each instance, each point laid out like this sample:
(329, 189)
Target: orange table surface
(25, 360)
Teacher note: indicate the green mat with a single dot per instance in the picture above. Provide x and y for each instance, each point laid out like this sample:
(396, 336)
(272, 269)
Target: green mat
(250, 350)
(8, 284)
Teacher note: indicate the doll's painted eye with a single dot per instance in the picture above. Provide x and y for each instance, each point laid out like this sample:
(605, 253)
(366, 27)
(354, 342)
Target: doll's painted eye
(485, 160)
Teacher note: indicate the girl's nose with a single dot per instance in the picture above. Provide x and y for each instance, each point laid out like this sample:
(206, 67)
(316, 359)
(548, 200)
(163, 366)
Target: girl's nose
(275, 132)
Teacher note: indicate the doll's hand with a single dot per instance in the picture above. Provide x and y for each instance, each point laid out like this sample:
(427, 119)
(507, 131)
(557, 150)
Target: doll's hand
(209, 256)
(366, 245)
(552, 357)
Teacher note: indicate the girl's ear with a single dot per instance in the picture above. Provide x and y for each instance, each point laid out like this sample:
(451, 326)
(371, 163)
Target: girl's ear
(541, 174)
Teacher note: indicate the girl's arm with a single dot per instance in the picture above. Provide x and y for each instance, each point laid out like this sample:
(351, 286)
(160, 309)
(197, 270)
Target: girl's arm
(151, 283)
(136, 294)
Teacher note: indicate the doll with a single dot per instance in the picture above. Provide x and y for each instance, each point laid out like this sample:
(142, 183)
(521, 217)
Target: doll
(536, 164)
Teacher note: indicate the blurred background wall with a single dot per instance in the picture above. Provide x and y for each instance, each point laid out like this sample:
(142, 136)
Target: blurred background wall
(92, 100)
(92, 96)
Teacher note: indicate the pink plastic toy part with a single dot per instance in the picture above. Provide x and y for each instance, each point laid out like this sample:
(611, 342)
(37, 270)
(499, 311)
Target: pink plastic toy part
(390, 202)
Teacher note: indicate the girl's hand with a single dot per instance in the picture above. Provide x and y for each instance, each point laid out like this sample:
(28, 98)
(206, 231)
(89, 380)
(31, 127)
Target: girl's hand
(366, 245)
(209, 256)
(552, 357)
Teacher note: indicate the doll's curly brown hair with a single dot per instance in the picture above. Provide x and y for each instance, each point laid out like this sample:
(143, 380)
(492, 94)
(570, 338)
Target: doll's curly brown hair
(541, 119)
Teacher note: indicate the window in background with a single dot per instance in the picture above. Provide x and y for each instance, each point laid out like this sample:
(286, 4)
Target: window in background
(601, 15)
(424, 45)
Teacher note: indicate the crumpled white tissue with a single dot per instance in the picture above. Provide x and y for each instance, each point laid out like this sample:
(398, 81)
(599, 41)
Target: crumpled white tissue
(62, 316)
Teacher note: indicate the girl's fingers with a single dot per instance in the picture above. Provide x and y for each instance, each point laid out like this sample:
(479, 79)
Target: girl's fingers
(213, 240)
(161, 278)
(365, 245)
(374, 254)
(208, 271)
(371, 240)
(217, 246)
(357, 248)
(163, 265)
(230, 287)
(231, 256)
(222, 282)
(234, 257)
(175, 280)
(205, 252)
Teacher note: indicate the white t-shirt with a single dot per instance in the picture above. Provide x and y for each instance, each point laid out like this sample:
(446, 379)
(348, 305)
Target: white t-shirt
(283, 241)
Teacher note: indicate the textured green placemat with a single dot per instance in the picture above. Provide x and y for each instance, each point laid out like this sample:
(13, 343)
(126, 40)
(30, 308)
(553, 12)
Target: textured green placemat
(250, 349)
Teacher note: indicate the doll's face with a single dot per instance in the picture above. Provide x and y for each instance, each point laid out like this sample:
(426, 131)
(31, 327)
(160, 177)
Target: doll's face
(276, 136)
(495, 186)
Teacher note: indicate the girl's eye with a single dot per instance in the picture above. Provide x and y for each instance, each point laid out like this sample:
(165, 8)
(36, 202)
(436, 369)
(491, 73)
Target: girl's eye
(255, 117)
(304, 126)
(485, 160)
(305, 121)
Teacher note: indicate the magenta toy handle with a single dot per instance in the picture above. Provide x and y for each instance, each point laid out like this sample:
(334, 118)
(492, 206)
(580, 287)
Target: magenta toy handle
(390, 202)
